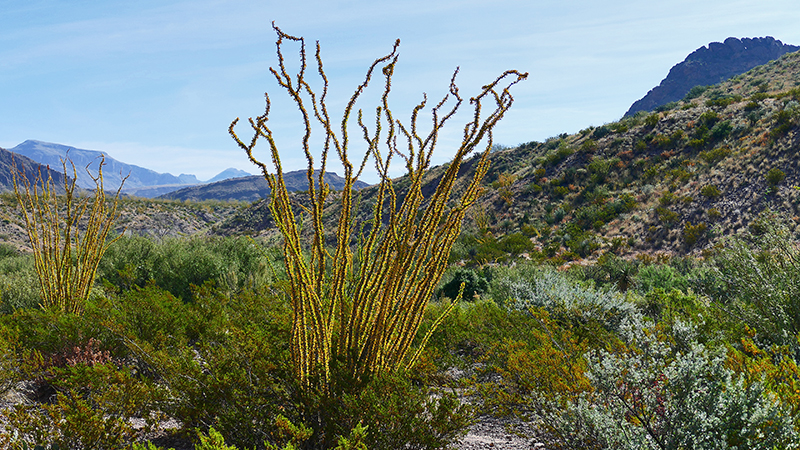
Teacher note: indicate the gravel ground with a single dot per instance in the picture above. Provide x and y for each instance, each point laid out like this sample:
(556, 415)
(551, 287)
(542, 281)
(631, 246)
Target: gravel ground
(490, 433)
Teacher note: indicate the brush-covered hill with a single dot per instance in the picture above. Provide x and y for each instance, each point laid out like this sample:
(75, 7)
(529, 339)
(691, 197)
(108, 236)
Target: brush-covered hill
(669, 181)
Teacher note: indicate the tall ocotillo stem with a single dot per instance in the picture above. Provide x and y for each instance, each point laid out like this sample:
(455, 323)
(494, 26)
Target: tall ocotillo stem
(368, 314)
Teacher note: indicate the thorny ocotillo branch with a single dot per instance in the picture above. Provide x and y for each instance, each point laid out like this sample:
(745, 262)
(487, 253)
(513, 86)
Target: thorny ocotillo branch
(368, 312)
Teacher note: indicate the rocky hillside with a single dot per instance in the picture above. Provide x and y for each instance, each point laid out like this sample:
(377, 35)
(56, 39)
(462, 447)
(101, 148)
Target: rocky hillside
(30, 168)
(141, 217)
(670, 181)
(711, 65)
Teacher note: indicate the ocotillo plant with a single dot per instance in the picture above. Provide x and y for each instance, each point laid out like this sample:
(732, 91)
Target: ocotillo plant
(367, 313)
(68, 235)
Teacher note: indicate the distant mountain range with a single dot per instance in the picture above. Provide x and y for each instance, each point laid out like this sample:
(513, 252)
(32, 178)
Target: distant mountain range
(252, 188)
(140, 182)
(230, 184)
(711, 65)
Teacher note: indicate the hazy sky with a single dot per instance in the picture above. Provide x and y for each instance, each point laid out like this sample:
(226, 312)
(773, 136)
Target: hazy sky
(156, 83)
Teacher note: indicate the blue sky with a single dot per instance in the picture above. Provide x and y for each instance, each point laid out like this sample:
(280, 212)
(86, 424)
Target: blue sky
(156, 83)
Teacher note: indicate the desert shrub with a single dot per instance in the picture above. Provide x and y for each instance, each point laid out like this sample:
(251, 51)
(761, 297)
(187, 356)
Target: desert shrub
(235, 376)
(666, 107)
(723, 101)
(52, 333)
(580, 242)
(180, 264)
(152, 315)
(693, 233)
(758, 279)
(783, 121)
(84, 394)
(774, 177)
(695, 92)
(587, 216)
(666, 199)
(710, 191)
(612, 269)
(667, 392)
(535, 371)
(470, 331)
(589, 145)
(562, 152)
(774, 366)
(18, 284)
(214, 440)
(564, 298)
(70, 422)
(128, 262)
(599, 169)
(651, 120)
(673, 307)
(661, 141)
(663, 276)
(7, 251)
(715, 155)
(475, 284)
(620, 127)
(721, 130)
(503, 185)
(233, 263)
(601, 131)
(395, 413)
(708, 119)
(666, 216)
(477, 249)
(515, 244)
(9, 361)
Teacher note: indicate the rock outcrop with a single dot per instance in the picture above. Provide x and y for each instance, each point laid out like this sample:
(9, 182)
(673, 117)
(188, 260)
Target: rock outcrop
(711, 65)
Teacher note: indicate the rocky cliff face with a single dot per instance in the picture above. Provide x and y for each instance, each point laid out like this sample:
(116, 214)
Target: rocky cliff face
(711, 65)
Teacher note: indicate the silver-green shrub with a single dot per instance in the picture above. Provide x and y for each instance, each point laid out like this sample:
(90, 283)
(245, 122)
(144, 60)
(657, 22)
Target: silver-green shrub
(559, 295)
(669, 392)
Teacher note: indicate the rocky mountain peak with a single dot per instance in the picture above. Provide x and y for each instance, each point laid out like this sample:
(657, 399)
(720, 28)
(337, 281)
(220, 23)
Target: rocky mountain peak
(712, 64)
